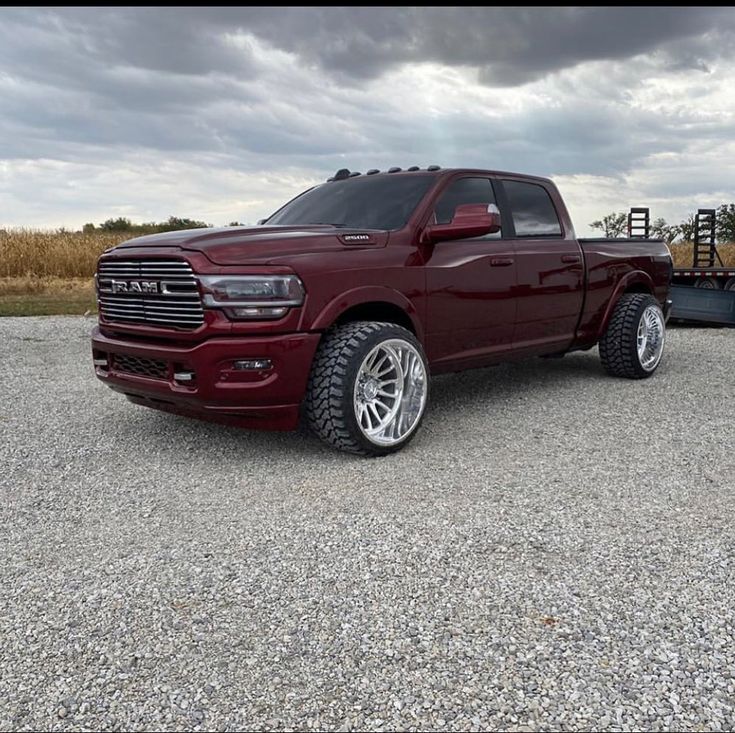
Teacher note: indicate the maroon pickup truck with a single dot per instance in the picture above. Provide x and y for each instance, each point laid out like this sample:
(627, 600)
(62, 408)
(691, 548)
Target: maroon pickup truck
(343, 302)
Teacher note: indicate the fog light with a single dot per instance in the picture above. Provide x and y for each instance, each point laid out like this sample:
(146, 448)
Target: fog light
(183, 376)
(252, 364)
(100, 361)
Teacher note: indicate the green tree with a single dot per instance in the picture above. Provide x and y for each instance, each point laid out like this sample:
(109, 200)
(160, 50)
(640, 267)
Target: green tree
(175, 223)
(121, 224)
(725, 224)
(613, 225)
(661, 230)
(88, 228)
(686, 228)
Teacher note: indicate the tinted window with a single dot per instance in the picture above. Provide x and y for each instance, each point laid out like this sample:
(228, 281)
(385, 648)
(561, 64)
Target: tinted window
(533, 212)
(374, 202)
(463, 191)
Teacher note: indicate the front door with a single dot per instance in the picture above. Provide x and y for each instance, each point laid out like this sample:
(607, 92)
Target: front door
(469, 286)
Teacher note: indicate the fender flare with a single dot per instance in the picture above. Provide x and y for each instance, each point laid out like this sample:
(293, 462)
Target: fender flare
(362, 295)
(638, 278)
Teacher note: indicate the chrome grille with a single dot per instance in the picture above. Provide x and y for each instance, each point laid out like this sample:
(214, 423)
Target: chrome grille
(156, 292)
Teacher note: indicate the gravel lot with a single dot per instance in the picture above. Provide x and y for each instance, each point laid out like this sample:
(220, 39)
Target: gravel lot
(555, 550)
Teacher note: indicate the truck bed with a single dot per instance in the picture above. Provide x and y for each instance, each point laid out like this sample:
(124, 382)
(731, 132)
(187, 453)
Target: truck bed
(616, 240)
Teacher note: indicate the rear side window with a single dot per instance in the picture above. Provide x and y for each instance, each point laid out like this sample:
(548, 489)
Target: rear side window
(533, 212)
(464, 191)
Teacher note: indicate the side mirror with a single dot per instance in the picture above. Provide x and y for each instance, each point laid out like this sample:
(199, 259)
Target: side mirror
(470, 220)
(262, 221)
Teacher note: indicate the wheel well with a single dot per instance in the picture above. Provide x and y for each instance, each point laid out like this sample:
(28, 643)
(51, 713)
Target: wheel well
(377, 311)
(638, 288)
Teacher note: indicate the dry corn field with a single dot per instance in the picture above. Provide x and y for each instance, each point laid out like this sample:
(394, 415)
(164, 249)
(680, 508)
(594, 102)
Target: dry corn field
(49, 272)
(33, 254)
(682, 254)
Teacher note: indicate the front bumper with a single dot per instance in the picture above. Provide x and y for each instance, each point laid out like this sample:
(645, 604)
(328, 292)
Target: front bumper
(266, 398)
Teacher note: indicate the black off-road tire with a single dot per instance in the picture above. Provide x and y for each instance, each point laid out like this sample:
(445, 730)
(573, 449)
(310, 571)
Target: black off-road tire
(619, 343)
(329, 403)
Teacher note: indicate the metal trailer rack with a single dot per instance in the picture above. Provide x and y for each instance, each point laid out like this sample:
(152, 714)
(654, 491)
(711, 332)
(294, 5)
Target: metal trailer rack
(705, 291)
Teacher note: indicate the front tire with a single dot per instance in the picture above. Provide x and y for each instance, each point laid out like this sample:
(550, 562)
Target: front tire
(633, 343)
(368, 388)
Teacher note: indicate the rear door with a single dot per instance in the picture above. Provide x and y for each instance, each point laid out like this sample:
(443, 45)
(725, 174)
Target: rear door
(469, 282)
(550, 269)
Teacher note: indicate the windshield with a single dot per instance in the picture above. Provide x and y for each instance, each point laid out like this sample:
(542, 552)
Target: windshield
(375, 202)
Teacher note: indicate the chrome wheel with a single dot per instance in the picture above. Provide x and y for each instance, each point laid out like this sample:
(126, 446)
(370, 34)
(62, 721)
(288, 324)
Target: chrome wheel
(651, 337)
(390, 392)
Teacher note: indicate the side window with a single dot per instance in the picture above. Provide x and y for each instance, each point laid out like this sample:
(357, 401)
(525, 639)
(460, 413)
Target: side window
(533, 212)
(464, 191)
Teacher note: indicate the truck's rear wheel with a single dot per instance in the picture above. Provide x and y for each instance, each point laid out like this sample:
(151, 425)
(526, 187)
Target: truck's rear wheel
(708, 283)
(730, 284)
(368, 388)
(633, 344)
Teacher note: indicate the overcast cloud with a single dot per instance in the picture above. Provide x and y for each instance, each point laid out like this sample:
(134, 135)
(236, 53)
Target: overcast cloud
(222, 114)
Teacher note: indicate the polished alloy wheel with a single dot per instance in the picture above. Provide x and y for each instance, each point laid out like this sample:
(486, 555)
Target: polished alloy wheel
(390, 392)
(651, 336)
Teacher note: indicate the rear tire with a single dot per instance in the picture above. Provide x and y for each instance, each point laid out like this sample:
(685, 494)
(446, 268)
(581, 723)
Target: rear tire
(730, 284)
(708, 283)
(633, 343)
(368, 388)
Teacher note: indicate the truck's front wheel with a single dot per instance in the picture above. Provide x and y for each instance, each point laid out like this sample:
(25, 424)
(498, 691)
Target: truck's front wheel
(368, 388)
(633, 344)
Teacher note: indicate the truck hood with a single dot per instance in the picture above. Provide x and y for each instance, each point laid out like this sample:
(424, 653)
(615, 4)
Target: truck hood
(261, 244)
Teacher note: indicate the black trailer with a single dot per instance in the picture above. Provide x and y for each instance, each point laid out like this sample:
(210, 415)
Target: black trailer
(705, 291)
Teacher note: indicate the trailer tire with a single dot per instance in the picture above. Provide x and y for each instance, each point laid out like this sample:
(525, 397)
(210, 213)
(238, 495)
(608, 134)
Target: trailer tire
(730, 284)
(368, 388)
(708, 283)
(633, 342)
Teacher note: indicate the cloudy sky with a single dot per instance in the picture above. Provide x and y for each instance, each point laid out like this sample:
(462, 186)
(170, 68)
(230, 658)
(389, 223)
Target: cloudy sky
(222, 114)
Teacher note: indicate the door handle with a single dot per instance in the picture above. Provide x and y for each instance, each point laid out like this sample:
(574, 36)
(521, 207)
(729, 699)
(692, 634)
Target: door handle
(571, 258)
(501, 261)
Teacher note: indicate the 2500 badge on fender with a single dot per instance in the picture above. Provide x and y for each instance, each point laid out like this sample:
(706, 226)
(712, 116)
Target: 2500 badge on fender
(343, 303)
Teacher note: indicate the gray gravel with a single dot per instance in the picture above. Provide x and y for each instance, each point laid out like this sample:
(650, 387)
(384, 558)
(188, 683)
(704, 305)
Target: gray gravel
(554, 551)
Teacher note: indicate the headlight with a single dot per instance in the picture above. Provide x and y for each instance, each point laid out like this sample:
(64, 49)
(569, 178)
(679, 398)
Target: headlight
(252, 296)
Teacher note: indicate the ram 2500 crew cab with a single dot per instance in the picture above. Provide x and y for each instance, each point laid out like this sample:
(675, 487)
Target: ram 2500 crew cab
(343, 303)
